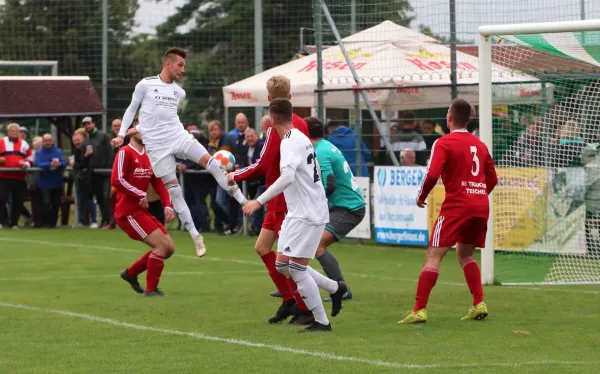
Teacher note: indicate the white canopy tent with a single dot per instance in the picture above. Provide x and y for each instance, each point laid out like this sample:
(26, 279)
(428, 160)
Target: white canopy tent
(393, 56)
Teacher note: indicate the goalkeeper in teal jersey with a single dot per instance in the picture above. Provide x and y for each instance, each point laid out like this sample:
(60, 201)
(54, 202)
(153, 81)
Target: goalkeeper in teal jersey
(346, 202)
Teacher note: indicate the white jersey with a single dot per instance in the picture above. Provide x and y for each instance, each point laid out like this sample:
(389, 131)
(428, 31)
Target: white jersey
(159, 122)
(305, 197)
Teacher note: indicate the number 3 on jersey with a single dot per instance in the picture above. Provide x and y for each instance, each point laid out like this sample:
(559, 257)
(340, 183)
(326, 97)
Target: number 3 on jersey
(475, 170)
(309, 160)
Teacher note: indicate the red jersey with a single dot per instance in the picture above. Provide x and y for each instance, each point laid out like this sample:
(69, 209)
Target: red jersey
(131, 175)
(14, 153)
(268, 163)
(467, 171)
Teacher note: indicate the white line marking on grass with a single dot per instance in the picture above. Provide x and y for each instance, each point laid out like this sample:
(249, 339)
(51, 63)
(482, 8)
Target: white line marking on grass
(127, 250)
(100, 276)
(280, 348)
(256, 263)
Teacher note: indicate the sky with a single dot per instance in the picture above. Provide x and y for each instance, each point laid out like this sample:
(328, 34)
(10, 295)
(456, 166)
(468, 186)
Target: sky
(433, 13)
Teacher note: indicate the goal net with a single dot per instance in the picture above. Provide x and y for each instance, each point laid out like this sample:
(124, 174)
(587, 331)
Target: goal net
(546, 207)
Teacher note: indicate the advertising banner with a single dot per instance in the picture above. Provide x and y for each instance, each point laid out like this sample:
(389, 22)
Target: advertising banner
(396, 217)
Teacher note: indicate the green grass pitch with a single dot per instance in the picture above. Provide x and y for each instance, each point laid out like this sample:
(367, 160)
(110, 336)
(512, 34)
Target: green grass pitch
(64, 309)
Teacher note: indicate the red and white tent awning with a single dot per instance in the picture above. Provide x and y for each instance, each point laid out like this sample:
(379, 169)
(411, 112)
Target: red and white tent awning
(392, 56)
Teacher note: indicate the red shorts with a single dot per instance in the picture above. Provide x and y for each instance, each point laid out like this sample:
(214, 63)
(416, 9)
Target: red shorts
(140, 224)
(449, 230)
(273, 221)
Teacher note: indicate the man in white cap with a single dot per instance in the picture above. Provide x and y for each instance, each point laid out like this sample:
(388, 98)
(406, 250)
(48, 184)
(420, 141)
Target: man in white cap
(23, 132)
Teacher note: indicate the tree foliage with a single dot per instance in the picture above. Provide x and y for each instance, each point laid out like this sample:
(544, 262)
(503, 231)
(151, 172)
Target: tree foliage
(219, 34)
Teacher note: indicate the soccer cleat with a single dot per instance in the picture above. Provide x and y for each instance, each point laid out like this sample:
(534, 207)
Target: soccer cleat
(420, 316)
(200, 247)
(302, 317)
(347, 296)
(336, 298)
(476, 312)
(133, 281)
(275, 294)
(285, 310)
(316, 326)
(155, 292)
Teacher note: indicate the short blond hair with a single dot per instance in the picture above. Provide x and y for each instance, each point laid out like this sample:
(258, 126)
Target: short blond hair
(279, 87)
(82, 132)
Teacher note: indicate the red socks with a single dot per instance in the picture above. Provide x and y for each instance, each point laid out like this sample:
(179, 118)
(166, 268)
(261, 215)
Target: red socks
(473, 278)
(156, 263)
(427, 280)
(297, 296)
(279, 279)
(139, 266)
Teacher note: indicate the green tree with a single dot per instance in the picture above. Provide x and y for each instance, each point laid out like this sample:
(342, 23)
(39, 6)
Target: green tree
(70, 32)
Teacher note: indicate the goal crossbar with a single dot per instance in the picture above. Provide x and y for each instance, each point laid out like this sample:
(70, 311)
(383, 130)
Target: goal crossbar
(540, 28)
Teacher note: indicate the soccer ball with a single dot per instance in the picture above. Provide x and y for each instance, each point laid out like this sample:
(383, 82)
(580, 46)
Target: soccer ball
(226, 159)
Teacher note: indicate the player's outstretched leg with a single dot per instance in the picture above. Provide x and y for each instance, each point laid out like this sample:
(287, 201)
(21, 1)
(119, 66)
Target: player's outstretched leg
(336, 289)
(184, 214)
(307, 287)
(330, 265)
(214, 168)
(464, 254)
(427, 280)
(130, 275)
(163, 248)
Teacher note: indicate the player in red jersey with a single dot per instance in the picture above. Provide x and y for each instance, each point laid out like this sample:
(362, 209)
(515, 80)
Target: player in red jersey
(278, 87)
(131, 175)
(468, 174)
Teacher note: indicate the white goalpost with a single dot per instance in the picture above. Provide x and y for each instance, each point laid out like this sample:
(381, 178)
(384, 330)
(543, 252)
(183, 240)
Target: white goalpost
(544, 225)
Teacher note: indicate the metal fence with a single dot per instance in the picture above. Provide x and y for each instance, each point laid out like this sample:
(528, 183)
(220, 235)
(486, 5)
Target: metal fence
(118, 43)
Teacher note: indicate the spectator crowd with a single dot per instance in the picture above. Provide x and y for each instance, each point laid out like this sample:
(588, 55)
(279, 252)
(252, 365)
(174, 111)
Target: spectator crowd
(91, 159)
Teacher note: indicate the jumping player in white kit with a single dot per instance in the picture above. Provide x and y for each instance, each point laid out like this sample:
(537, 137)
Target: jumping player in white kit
(308, 212)
(165, 137)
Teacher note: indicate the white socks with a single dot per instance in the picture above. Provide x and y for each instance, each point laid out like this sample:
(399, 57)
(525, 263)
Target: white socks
(181, 208)
(220, 175)
(322, 281)
(307, 288)
(283, 268)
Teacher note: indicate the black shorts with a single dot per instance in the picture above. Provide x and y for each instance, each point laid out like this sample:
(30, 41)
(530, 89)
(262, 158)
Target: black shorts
(156, 209)
(342, 221)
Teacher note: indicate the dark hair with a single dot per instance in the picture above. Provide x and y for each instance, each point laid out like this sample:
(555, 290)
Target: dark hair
(333, 121)
(316, 130)
(460, 110)
(175, 51)
(409, 116)
(281, 111)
